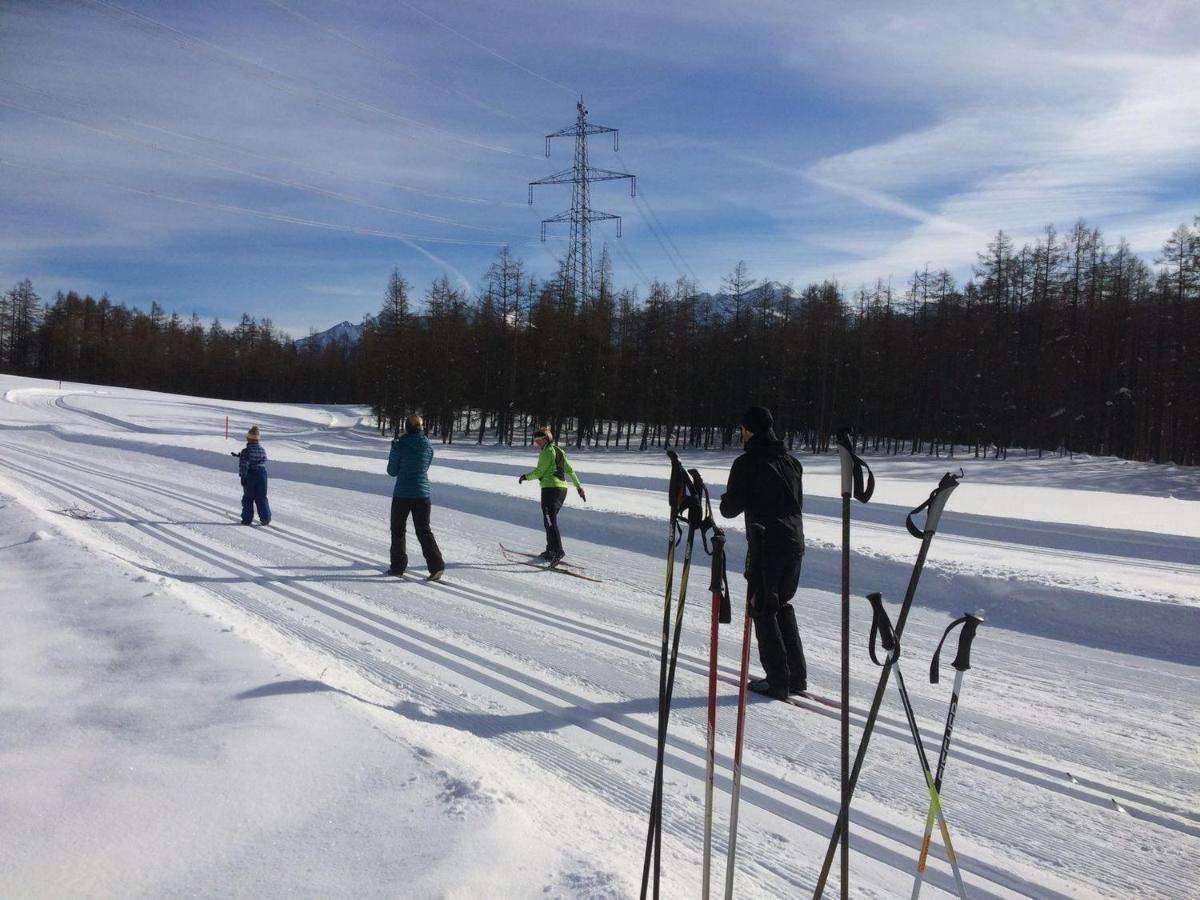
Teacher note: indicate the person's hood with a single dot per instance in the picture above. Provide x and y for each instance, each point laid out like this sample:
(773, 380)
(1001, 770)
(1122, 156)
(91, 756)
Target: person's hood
(768, 443)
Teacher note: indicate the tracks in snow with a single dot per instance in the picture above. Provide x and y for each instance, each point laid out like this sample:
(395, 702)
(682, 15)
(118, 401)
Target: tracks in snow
(622, 725)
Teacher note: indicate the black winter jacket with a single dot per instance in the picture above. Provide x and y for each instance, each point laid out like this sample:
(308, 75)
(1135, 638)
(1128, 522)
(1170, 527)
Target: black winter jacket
(766, 483)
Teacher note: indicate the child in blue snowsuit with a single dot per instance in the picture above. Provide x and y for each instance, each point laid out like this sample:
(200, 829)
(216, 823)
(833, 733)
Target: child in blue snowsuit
(252, 467)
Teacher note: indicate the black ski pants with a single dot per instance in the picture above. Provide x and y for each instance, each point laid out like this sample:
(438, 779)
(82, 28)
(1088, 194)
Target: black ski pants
(420, 508)
(779, 646)
(552, 501)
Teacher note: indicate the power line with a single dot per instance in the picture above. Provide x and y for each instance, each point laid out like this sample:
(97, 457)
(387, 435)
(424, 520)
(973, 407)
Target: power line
(654, 233)
(632, 263)
(679, 265)
(642, 199)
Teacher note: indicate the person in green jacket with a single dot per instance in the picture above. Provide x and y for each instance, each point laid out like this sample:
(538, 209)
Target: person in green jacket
(552, 471)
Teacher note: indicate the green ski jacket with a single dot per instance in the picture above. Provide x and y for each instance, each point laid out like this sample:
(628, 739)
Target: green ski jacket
(553, 469)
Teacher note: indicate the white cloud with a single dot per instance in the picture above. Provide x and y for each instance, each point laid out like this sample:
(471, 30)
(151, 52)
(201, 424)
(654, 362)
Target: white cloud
(1022, 167)
(859, 140)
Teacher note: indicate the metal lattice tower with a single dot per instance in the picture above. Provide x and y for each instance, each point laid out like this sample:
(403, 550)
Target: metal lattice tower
(581, 215)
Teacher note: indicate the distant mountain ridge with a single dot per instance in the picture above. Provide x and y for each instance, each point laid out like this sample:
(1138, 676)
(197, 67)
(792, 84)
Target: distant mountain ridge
(350, 334)
(342, 333)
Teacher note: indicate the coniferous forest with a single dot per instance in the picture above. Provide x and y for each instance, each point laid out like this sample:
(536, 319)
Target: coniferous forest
(1068, 344)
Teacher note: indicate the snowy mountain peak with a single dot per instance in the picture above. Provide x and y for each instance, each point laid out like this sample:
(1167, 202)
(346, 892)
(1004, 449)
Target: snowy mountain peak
(342, 333)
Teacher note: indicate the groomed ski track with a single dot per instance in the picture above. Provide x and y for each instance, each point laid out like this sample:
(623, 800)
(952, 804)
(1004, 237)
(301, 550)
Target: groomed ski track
(556, 677)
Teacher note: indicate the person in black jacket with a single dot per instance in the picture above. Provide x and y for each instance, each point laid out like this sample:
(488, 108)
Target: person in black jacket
(765, 483)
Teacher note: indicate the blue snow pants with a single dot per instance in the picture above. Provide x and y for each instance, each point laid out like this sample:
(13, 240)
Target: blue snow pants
(254, 493)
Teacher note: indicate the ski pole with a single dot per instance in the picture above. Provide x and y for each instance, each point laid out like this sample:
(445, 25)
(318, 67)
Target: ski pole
(933, 507)
(882, 625)
(666, 705)
(852, 484)
(718, 586)
(755, 534)
(962, 662)
(683, 499)
(675, 495)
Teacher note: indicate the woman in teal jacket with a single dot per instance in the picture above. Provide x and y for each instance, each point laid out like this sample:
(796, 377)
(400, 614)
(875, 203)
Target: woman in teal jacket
(409, 463)
(552, 471)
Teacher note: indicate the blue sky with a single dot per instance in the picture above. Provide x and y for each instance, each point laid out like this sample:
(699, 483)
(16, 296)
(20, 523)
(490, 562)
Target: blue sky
(280, 157)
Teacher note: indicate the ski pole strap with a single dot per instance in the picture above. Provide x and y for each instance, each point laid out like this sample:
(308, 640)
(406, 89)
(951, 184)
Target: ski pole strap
(719, 582)
(935, 504)
(700, 515)
(700, 510)
(683, 497)
(676, 487)
(962, 660)
(681, 489)
(853, 468)
(881, 627)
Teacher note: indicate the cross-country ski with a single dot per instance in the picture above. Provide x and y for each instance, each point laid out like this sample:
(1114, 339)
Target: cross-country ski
(539, 561)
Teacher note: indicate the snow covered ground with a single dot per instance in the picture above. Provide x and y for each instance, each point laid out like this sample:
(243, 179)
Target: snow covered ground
(195, 709)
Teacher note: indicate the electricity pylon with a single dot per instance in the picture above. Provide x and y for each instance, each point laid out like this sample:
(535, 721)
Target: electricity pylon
(581, 215)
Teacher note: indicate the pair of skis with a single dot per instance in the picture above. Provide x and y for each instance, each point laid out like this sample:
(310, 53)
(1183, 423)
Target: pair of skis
(690, 505)
(537, 561)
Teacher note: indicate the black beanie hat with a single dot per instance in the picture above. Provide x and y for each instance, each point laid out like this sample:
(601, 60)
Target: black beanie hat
(757, 419)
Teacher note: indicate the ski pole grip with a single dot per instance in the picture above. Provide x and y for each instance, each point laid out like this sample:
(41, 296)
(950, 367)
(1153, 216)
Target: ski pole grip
(853, 468)
(719, 582)
(681, 490)
(718, 544)
(935, 504)
(675, 485)
(847, 458)
(881, 627)
(699, 492)
(962, 660)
